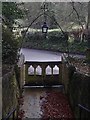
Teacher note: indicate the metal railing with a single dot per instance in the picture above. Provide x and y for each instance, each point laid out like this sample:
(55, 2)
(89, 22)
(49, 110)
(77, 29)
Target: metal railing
(13, 115)
(83, 108)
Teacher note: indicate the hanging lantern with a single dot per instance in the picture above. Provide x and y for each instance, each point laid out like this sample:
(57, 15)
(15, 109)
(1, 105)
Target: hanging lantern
(44, 28)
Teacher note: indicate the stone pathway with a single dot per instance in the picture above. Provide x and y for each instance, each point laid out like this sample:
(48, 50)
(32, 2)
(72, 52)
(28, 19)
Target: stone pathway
(42, 103)
(0, 98)
(31, 105)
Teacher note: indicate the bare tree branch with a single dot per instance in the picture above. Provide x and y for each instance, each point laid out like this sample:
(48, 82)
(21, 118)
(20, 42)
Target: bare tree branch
(28, 29)
(69, 14)
(73, 6)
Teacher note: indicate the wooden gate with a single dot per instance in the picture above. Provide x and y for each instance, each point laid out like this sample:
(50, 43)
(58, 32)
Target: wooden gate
(43, 73)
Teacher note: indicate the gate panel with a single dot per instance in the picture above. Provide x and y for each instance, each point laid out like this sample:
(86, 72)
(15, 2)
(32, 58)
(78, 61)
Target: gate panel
(47, 76)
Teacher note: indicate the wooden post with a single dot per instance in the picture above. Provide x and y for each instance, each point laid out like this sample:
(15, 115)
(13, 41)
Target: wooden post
(26, 71)
(60, 72)
(43, 73)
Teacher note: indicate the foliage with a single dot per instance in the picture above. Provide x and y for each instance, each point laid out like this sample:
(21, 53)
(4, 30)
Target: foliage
(10, 12)
(54, 41)
(78, 47)
(9, 47)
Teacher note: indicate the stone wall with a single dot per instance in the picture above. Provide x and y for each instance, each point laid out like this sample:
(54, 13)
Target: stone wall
(10, 93)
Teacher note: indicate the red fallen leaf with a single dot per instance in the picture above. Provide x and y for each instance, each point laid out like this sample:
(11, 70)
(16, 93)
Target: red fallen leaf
(41, 97)
(20, 101)
(19, 118)
(21, 114)
(56, 106)
(22, 96)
